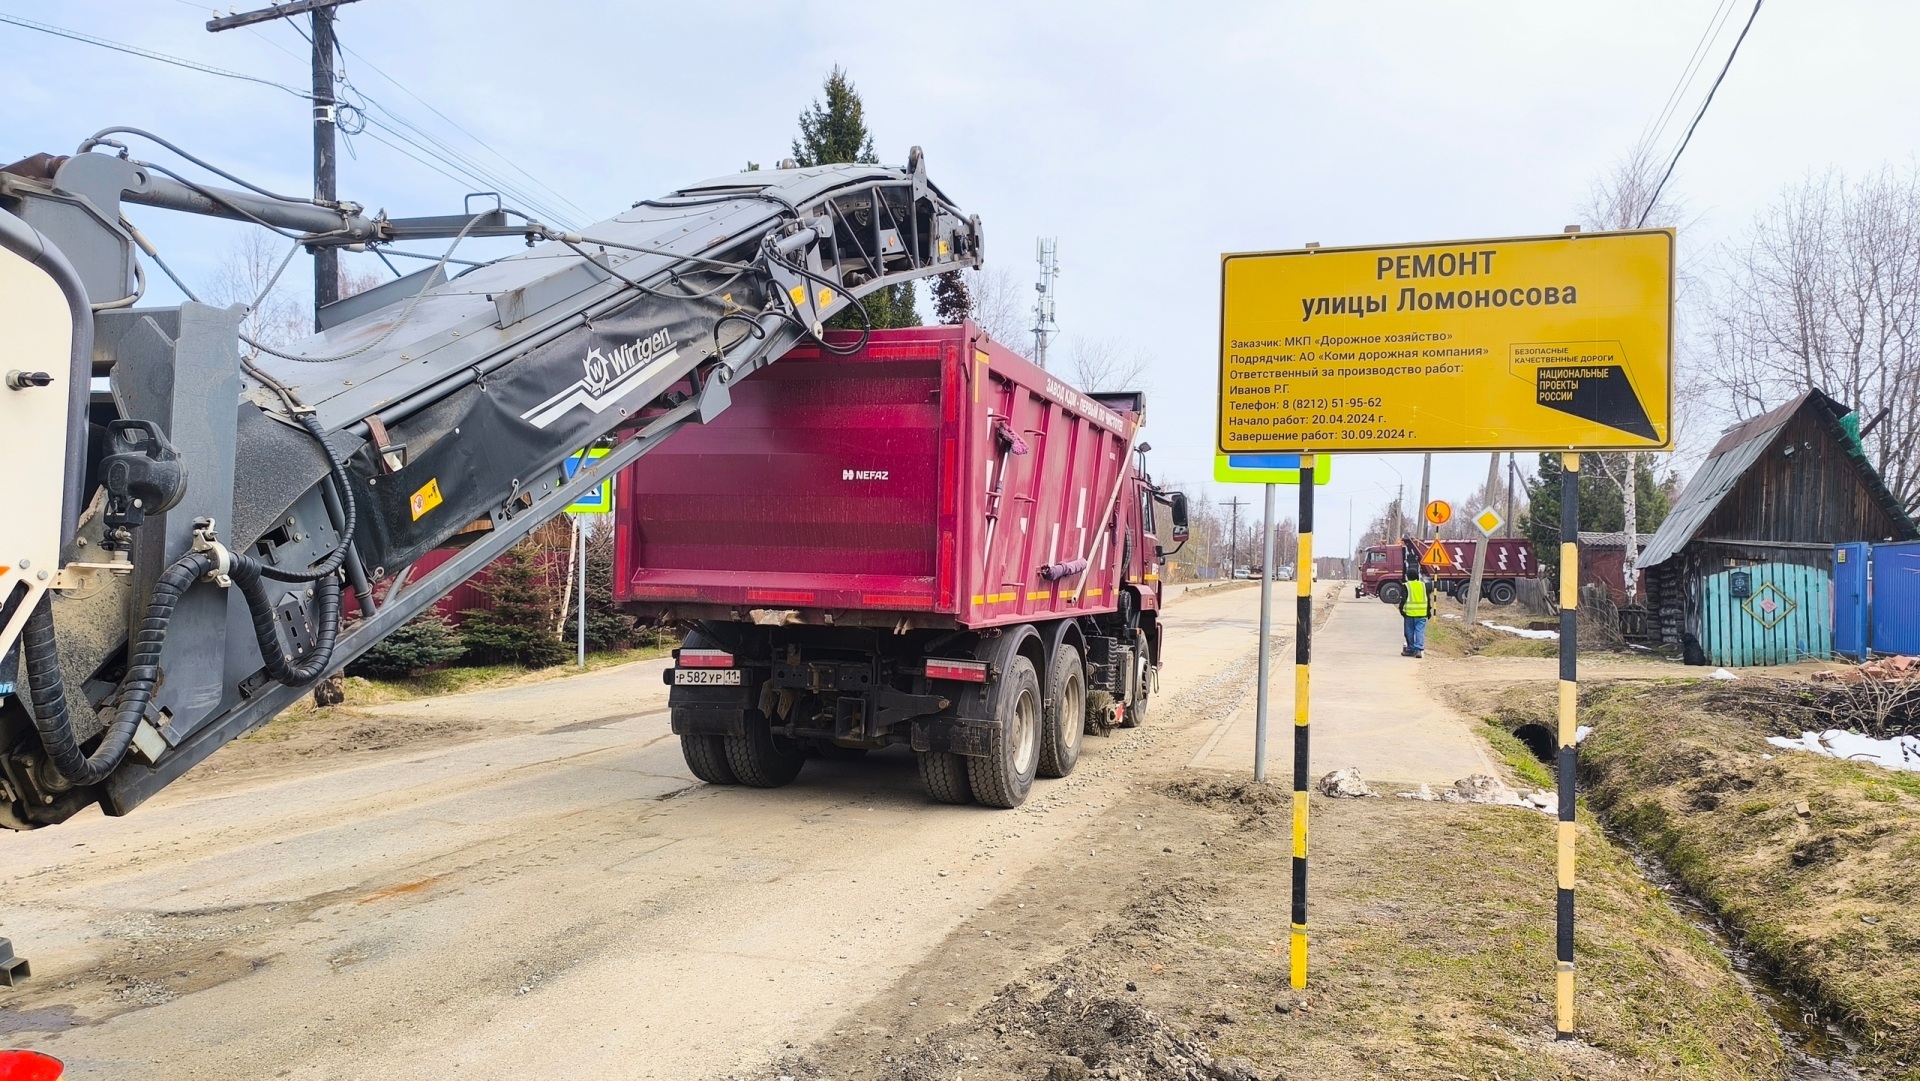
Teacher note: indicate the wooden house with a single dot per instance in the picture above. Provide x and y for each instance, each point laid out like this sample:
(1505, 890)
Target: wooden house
(1741, 571)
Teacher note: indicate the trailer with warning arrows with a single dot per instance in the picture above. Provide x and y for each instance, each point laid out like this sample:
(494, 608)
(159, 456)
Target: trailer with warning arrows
(1510, 560)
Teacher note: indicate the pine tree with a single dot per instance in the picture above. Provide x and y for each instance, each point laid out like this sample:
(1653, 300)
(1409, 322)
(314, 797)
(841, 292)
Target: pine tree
(425, 641)
(518, 628)
(834, 132)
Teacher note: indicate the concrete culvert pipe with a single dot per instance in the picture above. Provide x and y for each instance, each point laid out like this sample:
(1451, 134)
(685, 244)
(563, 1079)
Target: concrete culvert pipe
(1539, 739)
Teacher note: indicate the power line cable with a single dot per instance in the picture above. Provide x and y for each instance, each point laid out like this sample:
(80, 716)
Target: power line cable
(1690, 69)
(133, 50)
(1735, 51)
(462, 130)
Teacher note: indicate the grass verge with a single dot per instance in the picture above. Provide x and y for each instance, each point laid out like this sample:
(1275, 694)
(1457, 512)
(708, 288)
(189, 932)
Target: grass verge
(1810, 860)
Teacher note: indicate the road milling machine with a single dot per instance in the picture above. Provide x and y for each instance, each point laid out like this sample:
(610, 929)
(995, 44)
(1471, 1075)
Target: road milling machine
(190, 513)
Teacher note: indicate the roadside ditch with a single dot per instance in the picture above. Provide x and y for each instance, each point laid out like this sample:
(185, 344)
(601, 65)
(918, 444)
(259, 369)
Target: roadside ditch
(1799, 867)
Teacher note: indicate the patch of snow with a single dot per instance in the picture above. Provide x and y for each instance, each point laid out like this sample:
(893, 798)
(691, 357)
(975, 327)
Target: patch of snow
(1449, 615)
(1581, 733)
(1723, 674)
(1544, 636)
(1900, 752)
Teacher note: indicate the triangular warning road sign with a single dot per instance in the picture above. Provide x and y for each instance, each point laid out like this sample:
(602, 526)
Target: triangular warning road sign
(1436, 556)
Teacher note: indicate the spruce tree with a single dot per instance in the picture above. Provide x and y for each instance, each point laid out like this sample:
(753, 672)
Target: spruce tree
(834, 131)
(518, 627)
(425, 641)
(607, 626)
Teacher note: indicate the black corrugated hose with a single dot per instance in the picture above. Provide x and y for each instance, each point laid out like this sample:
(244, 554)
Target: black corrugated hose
(49, 696)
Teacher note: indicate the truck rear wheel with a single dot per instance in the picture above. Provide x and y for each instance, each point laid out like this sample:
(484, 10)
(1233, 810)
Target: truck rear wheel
(1066, 714)
(707, 758)
(1502, 592)
(1004, 776)
(1393, 592)
(1135, 713)
(761, 759)
(944, 775)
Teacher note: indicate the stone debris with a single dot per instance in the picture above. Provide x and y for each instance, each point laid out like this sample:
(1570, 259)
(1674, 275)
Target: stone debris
(1480, 788)
(1345, 784)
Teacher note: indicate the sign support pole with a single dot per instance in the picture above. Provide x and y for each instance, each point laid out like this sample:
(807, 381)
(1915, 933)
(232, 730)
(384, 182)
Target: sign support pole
(1266, 662)
(580, 533)
(1569, 735)
(1302, 655)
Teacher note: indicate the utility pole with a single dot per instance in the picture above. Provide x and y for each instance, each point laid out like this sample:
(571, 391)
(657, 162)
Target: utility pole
(1426, 482)
(326, 259)
(1481, 546)
(1513, 481)
(1233, 537)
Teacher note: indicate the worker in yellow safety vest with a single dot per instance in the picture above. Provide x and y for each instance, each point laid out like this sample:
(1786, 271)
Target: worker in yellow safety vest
(1415, 607)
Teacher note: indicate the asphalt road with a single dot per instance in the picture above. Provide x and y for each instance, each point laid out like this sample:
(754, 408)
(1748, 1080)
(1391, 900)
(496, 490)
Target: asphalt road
(553, 896)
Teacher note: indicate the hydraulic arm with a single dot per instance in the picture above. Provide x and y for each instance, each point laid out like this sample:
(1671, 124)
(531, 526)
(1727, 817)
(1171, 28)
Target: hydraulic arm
(199, 525)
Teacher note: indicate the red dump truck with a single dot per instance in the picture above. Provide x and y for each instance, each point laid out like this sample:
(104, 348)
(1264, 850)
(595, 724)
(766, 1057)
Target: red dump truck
(921, 540)
(1509, 559)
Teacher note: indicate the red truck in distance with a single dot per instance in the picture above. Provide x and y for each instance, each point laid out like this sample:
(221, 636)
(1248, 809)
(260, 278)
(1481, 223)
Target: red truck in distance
(1383, 569)
(925, 540)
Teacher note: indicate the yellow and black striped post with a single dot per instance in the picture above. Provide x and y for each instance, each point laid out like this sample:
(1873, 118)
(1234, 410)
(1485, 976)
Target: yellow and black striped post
(1569, 729)
(1302, 655)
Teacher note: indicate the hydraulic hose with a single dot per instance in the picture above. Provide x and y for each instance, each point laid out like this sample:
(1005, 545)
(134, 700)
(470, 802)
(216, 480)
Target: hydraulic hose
(50, 716)
(49, 695)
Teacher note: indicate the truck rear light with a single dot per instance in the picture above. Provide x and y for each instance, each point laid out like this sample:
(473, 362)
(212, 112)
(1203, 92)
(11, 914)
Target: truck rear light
(705, 658)
(968, 671)
(781, 596)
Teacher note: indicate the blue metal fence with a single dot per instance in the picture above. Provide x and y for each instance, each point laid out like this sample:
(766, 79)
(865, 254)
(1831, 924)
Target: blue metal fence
(1894, 600)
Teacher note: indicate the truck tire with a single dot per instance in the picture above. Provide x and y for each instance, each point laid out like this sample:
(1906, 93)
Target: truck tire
(1502, 592)
(707, 759)
(1066, 714)
(761, 759)
(1135, 713)
(944, 775)
(1393, 592)
(1004, 776)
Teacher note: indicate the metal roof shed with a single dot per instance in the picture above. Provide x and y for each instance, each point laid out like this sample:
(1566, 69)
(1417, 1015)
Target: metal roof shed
(1740, 571)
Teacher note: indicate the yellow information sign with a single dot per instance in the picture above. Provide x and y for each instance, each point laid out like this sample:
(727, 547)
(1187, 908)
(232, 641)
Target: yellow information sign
(1559, 342)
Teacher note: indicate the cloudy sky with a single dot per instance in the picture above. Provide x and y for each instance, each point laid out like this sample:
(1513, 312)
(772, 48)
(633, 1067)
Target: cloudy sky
(1147, 138)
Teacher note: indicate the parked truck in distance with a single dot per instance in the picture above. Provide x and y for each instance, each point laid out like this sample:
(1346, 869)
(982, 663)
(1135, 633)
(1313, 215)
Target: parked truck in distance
(1383, 569)
(921, 539)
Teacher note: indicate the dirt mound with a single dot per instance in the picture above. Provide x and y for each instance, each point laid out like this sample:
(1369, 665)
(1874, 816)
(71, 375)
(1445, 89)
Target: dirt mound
(1069, 1032)
(1255, 801)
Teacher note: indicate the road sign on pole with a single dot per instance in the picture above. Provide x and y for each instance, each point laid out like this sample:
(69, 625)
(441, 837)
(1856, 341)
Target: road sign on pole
(1439, 512)
(1559, 342)
(1489, 521)
(600, 499)
(1268, 468)
(1436, 556)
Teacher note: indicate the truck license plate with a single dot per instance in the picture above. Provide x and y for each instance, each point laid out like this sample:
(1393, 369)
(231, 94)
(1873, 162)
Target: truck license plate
(706, 677)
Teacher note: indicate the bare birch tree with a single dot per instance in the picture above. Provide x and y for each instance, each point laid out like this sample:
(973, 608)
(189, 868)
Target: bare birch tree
(1102, 364)
(998, 306)
(1823, 294)
(276, 316)
(1628, 198)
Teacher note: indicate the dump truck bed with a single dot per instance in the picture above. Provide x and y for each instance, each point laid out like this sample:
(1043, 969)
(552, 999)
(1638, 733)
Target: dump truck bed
(926, 479)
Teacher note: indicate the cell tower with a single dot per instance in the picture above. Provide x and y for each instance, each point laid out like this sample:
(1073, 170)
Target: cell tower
(1043, 325)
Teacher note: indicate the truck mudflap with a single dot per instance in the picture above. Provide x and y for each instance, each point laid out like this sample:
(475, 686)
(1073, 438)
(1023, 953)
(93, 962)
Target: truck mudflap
(709, 711)
(959, 735)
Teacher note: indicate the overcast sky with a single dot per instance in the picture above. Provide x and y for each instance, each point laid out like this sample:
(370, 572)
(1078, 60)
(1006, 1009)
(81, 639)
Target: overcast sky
(1148, 138)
